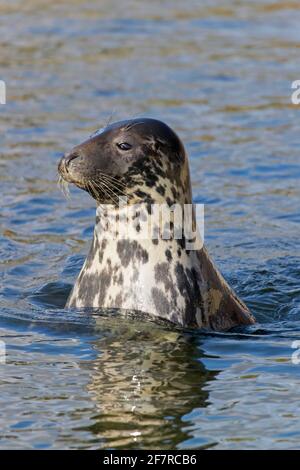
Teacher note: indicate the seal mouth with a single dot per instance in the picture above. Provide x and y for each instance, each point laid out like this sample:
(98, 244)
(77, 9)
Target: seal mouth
(63, 169)
(104, 188)
(67, 175)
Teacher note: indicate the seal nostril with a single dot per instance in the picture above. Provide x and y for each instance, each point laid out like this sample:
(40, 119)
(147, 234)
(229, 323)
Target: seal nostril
(68, 158)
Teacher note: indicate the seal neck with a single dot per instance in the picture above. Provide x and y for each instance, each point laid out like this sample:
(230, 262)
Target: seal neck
(138, 263)
(149, 223)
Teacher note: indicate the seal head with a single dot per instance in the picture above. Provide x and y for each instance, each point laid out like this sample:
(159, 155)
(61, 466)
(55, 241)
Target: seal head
(125, 157)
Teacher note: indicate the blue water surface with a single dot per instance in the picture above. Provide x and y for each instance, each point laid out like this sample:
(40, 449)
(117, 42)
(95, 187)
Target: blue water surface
(220, 74)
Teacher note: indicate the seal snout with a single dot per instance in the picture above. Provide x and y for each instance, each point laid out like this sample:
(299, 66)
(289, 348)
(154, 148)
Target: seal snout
(65, 162)
(69, 157)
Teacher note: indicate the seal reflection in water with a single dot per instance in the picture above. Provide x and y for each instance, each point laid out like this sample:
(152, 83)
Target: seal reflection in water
(145, 161)
(148, 384)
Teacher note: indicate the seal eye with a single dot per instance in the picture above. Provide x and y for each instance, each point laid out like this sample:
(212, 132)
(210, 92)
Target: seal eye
(124, 146)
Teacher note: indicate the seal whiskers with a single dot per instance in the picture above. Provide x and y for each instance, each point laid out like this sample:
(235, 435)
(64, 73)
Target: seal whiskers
(111, 194)
(63, 186)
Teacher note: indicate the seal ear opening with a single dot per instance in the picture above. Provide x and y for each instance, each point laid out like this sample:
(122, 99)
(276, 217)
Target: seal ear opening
(179, 157)
(157, 146)
(163, 147)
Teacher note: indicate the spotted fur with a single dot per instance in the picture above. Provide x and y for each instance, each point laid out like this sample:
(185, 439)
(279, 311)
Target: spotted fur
(157, 276)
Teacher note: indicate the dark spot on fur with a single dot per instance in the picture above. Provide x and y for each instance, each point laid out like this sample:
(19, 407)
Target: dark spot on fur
(168, 255)
(141, 194)
(160, 301)
(118, 300)
(181, 243)
(188, 286)
(174, 192)
(163, 276)
(161, 190)
(104, 282)
(161, 272)
(149, 207)
(130, 251)
(102, 249)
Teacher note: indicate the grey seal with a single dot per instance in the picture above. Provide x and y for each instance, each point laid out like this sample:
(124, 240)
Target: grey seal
(145, 161)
